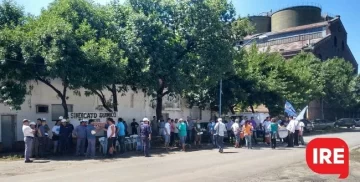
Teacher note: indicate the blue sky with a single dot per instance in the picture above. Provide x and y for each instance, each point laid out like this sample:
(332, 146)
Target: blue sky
(349, 12)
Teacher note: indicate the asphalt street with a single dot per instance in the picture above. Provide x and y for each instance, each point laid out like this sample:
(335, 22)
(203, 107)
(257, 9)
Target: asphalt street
(202, 165)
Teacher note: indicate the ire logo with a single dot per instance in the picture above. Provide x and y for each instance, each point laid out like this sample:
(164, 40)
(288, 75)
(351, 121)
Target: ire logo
(328, 156)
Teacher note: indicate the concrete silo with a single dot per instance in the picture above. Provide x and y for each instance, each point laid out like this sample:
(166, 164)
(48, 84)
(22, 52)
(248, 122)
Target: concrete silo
(295, 16)
(262, 24)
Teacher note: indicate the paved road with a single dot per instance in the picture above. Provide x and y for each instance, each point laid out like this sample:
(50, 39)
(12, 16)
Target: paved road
(206, 165)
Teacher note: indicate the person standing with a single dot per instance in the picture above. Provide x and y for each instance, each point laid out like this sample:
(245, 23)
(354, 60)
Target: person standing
(80, 133)
(236, 130)
(266, 125)
(176, 131)
(301, 127)
(56, 136)
(125, 126)
(36, 143)
(291, 129)
(172, 132)
(167, 131)
(64, 133)
(146, 136)
(220, 129)
(70, 137)
(198, 133)
(254, 125)
(247, 129)
(274, 127)
(42, 135)
(229, 130)
(161, 127)
(121, 135)
(190, 130)
(91, 138)
(182, 134)
(111, 136)
(296, 134)
(134, 127)
(28, 139)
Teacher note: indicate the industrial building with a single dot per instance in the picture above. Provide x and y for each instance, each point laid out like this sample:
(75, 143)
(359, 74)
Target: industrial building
(303, 28)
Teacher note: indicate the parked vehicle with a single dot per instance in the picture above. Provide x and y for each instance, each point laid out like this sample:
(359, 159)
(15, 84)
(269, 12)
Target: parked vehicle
(357, 122)
(309, 126)
(345, 122)
(322, 124)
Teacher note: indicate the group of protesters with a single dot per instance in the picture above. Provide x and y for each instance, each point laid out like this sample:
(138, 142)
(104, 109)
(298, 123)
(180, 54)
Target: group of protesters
(246, 132)
(176, 133)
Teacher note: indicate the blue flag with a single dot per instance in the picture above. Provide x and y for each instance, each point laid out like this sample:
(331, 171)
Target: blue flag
(289, 109)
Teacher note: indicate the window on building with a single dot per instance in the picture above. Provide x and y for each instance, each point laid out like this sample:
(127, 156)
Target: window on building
(42, 108)
(57, 110)
(343, 45)
(335, 41)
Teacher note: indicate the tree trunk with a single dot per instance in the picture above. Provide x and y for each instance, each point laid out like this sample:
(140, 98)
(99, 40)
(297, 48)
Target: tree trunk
(64, 104)
(102, 99)
(252, 109)
(62, 94)
(159, 99)
(115, 101)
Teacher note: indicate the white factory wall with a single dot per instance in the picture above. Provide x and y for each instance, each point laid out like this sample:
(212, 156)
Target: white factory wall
(139, 108)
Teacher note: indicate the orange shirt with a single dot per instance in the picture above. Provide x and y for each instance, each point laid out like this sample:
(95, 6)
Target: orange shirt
(247, 129)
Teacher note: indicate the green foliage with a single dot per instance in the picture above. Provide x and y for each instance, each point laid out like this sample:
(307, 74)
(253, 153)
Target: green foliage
(337, 75)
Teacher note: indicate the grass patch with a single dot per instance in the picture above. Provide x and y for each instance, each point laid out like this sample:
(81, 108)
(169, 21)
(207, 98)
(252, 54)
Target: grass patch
(355, 155)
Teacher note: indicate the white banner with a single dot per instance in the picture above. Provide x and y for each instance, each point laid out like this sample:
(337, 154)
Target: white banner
(91, 115)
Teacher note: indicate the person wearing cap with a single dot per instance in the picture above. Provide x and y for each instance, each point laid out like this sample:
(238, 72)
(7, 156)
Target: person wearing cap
(64, 134)
(220, 129)
(182, 133)
(35, 146)
(28, 139)
(80, 133)
(146, 136)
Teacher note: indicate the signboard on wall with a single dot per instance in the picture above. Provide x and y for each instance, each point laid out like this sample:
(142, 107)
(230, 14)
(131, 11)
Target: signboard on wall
(91, 115)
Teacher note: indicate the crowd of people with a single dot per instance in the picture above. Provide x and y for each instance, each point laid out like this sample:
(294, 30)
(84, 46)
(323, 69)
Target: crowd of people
(175, 132)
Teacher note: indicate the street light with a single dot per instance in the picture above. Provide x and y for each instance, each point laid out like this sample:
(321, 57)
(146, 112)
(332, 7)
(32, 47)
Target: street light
(258, 37)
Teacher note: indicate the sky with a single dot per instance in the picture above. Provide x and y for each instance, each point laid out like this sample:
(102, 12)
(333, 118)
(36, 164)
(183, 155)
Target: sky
(348, 11)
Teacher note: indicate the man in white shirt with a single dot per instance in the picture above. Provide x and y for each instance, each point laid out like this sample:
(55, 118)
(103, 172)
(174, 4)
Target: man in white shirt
(291, 128)
(301, 127)
(220, 130)
(167, 133)
(28, 139)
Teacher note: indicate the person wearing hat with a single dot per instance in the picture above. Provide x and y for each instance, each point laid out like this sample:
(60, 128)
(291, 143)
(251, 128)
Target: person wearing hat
(28, 139)
(80, 133)
(146, 136)
(64, 134)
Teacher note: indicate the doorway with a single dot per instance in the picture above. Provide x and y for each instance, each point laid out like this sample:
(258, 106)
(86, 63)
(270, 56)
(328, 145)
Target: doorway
(8, 132)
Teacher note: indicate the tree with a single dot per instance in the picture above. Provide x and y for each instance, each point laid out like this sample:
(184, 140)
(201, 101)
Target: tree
(308, 84)
(13, 87)
(337, 75)
(182, 42)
